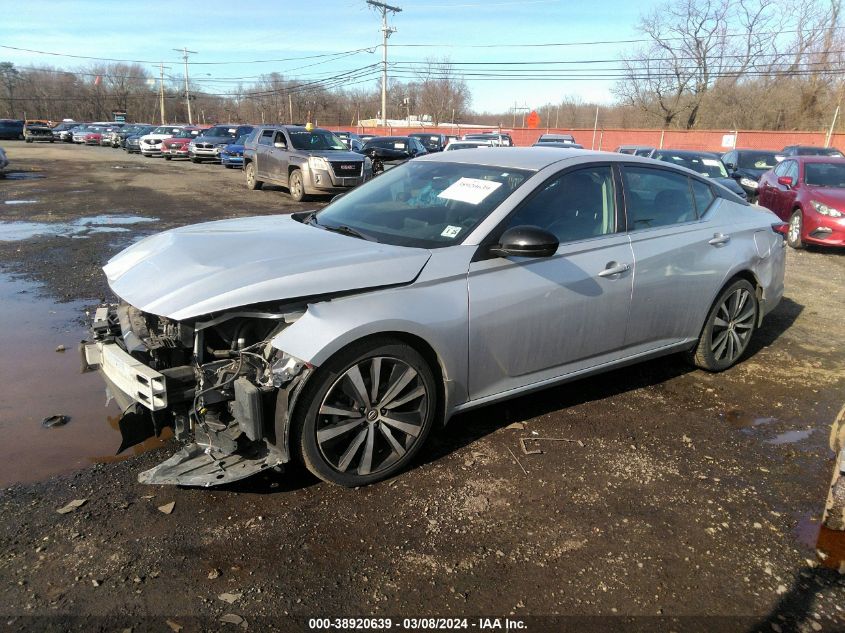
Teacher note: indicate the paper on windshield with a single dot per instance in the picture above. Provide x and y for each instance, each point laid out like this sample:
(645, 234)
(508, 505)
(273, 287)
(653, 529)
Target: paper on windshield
(710, 162)
(471, 190)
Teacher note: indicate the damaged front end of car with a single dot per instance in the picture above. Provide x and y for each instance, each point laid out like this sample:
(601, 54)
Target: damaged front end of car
(217, 380)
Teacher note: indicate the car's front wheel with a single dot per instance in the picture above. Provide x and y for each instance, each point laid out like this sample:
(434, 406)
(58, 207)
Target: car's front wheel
(796, 230)
(296, 186)
(728, 329)
(369, 411)
(251, 181)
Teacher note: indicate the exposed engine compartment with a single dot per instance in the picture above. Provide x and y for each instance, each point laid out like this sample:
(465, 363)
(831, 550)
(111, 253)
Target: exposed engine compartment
(216, 381)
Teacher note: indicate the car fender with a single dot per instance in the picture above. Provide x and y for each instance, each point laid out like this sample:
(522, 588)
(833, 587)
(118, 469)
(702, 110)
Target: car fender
(435, 311)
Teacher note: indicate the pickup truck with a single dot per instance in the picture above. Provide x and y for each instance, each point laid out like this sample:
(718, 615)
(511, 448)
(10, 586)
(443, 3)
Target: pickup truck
(308, 161)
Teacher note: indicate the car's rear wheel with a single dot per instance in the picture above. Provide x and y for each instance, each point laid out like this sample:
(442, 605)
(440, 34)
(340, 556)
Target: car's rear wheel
(796, 230)
(251, 181)
(370, 410)
(296, 186)
(729, 327)
(167, 158)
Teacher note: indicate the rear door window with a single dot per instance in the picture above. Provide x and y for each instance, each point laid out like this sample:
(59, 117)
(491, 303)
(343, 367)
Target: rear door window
(266, 138)
(657, 197)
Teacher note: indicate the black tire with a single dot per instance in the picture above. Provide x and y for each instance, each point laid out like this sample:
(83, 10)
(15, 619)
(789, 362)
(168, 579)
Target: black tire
(194, 160)
(730, 325)
(796, 229)
(390, 448)
(251, 181)
(29, 140)
(167, 158)
(296, 186)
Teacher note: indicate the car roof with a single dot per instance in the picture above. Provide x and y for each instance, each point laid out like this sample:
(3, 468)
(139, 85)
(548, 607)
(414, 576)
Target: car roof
(531, 158)
(687, 152)
(817, 159)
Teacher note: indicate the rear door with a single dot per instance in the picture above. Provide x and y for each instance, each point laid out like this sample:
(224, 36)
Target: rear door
(680, 252)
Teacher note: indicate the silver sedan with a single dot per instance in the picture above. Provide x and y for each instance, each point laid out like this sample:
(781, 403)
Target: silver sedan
(341, 337)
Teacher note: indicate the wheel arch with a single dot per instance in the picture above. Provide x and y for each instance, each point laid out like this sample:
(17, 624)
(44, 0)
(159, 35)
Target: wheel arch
(740, 273)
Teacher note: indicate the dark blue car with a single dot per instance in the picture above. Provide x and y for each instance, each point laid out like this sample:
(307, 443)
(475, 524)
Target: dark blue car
(232, 156)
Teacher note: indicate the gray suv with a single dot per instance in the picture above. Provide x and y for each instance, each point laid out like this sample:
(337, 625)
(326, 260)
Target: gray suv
(307, 162)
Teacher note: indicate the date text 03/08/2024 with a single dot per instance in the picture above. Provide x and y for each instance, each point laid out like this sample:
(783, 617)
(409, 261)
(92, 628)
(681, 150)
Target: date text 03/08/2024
(417, 624)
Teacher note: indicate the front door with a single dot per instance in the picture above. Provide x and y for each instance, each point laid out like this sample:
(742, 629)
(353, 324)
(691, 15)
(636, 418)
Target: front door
(536, 319)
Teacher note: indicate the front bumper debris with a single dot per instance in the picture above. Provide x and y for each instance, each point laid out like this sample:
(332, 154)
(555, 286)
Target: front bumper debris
(195, 465)
(230, 409)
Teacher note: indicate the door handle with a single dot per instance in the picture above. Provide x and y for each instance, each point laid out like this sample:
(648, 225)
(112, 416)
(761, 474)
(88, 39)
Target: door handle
(719, 239)
(614, 269)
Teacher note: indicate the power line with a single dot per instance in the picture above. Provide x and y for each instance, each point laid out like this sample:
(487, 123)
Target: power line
(369, 49)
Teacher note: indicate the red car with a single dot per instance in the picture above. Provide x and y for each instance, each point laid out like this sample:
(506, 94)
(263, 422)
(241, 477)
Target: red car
(93, 138)
(177, 146)
(809, 193)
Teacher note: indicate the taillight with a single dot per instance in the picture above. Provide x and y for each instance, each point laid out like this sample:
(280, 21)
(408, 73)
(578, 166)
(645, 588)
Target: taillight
(781, 227)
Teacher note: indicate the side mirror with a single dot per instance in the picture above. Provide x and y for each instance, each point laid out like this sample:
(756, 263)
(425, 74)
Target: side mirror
(526, 241)
(279, 145)
(730, 166)
(786, 181)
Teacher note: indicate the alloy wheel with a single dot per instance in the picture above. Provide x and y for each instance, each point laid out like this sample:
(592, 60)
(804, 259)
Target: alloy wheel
(733, 325)
(372, 415)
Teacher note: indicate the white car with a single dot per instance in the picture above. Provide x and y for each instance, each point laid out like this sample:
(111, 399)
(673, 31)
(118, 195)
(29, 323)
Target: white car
(150, 144)
(4, 162)
(453, 145)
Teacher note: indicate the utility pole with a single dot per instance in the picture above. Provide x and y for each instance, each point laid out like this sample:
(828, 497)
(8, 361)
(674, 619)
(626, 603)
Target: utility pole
(385, 31)
(185, 52)
(290, 107)
(161, 68)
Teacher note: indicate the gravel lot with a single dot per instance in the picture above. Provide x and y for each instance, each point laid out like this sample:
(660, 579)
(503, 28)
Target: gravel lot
(686, 501)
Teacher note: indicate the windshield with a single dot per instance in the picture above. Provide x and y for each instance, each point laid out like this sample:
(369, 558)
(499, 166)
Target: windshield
(825, 175)
(241, 140)
(316, 140)
(756, 160)
(222, 130)
(164, 129)
(388, 143)
(185, 134)
(709, 166)
(423, 204)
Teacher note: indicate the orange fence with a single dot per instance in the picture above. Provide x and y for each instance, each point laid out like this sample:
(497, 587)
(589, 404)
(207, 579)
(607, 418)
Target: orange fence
(610, 139)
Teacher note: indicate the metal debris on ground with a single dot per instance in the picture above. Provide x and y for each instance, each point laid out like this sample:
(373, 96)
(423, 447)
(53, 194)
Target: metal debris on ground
(517, 461)
(55, 420)
(73, 505)
(536, 450)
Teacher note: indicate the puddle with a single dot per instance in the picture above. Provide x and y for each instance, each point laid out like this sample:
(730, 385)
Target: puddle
(828, 544)
(22, 175)
(14, 231)
(791, 437)
(20, 201)
(39, 382)
(740, 419)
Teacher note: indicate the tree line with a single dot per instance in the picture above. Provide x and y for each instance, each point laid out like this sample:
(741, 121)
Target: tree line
(721, 64)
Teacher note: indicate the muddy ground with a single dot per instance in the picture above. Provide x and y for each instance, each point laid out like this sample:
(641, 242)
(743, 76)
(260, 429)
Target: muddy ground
(687, 501)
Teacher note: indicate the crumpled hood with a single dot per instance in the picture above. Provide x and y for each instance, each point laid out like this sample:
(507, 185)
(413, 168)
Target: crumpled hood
(195, 270)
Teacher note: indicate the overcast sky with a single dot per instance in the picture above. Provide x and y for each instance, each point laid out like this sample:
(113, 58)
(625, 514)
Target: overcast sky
(467, 31)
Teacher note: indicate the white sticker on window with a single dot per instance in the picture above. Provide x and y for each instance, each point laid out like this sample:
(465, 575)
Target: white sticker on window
(232, 130)
(471, 190)
(451, 231)
(710, 162)
(399, 146)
